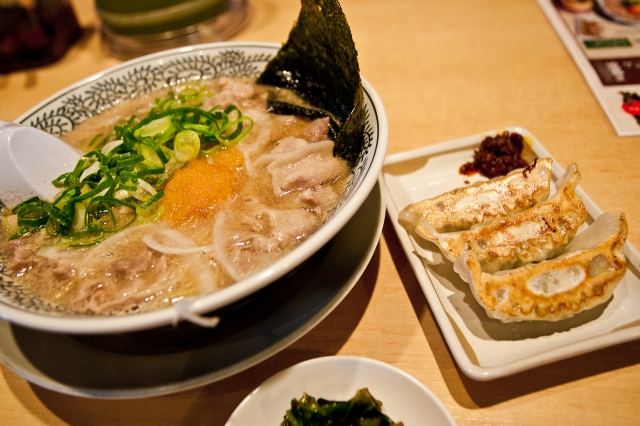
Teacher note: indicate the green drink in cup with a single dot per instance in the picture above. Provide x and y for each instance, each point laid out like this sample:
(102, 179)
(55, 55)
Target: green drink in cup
(133, 28)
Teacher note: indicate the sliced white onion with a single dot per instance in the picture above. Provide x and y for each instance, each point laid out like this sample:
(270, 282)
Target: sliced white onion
(203, 272)
(266, 159)
(248, 164)
(188, 246)
(146, 186)
(121, 194)
(90, 170)
(110, 146)
(300, 153)
(219, 247)
(177, 236)
(182, 308)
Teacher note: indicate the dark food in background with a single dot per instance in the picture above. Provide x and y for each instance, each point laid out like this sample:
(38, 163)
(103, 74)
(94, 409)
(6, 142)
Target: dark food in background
(361, 410)
(497, 156)
(319, 63)
(36, 36)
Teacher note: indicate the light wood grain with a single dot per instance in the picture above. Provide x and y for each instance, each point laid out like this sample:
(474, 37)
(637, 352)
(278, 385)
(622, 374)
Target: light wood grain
(444, 70)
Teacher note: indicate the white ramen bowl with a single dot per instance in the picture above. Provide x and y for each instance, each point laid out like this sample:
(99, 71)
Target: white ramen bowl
(68, 108)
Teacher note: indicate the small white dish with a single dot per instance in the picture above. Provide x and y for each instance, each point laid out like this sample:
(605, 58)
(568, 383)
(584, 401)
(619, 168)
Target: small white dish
(404, 399)
(486, 348)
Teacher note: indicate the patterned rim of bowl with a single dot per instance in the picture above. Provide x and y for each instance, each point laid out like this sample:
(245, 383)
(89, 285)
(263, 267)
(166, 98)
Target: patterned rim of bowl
(68, 108)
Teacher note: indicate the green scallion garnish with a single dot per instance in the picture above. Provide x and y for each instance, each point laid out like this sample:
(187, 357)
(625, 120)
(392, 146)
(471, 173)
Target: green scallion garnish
(125, 172)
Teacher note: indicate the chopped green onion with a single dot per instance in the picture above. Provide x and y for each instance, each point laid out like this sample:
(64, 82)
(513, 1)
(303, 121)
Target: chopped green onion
(186, 145)
(152, 200)
(150, 156)
(149, 142)
(131, 161)
(60, 180)
(154, 127)
(65, 196)
(198, 127)
(146, 171)
(100, 216)
(78, 224)
(61, 216)
(106, 183)
(122, 178)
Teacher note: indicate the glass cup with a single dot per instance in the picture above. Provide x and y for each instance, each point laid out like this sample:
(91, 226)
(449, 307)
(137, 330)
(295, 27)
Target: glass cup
(135, 28)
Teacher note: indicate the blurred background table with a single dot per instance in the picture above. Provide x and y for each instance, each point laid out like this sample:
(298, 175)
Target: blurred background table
(444, 69)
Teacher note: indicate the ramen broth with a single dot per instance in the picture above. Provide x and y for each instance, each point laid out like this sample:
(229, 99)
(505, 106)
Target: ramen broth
(222, 216)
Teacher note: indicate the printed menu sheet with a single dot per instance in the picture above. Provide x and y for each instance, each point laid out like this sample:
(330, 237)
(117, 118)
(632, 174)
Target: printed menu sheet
(603, 36)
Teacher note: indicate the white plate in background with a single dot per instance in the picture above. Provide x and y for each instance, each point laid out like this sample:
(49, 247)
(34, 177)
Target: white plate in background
(486, 348)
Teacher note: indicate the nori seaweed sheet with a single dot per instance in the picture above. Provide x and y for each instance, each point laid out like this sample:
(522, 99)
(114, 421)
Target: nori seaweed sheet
(319, 63)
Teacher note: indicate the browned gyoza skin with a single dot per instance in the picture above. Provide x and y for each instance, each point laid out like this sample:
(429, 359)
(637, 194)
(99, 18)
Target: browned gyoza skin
(582, 277)
(530, 236)
(485, 201)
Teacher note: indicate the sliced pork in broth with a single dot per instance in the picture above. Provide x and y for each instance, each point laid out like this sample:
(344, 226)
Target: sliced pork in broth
(200, 225)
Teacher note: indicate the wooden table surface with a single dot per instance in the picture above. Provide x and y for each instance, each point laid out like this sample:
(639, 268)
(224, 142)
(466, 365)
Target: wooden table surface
(444, 70)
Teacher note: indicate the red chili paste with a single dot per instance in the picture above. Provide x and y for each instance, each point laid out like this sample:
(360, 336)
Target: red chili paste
(497, 156)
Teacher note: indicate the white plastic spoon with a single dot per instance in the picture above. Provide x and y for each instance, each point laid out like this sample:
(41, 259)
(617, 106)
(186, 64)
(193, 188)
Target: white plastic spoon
(29, 160)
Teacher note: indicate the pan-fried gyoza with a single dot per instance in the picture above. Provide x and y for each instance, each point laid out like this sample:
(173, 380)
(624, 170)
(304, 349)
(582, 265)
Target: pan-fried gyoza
(484, 201)
(527, 265)
(583, 276)
(530, 236)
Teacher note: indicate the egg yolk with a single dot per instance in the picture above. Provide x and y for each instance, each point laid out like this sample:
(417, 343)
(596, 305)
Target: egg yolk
(201, 188)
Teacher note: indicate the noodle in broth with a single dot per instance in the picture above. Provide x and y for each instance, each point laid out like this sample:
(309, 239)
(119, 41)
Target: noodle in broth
(222, 217)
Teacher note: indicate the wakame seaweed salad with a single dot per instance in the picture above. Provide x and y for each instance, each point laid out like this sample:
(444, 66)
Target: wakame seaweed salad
(319, 63)
(361, 410)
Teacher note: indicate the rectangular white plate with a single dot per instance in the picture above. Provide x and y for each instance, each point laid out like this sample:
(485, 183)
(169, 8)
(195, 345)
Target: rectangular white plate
(486, 348)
